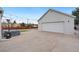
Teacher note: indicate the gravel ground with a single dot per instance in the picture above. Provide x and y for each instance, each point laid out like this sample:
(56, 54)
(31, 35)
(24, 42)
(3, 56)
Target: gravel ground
(36, 41)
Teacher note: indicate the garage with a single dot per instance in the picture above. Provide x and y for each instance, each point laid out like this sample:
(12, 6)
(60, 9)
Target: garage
(53, 27)
(56, 21)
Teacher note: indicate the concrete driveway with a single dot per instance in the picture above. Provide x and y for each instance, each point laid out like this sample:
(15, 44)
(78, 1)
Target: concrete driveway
(36, 41)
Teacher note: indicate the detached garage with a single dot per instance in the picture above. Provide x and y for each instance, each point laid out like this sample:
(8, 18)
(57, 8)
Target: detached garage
(55, 21)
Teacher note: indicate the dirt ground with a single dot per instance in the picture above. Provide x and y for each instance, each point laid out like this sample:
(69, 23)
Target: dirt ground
(36, 41)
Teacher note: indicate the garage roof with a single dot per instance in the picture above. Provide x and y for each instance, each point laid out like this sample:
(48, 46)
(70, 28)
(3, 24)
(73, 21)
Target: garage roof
(57, 12)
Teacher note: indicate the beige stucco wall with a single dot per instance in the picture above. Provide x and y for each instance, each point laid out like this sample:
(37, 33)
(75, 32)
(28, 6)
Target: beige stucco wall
(0, 21)
(0, 26)
(52, 16)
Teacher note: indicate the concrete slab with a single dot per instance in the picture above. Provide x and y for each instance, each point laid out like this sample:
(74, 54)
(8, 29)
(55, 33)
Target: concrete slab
(36, 41)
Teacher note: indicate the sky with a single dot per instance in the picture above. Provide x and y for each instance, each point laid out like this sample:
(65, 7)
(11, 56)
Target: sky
(32, 14)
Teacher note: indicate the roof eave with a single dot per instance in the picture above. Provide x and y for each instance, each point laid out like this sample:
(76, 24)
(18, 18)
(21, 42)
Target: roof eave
(55, 11)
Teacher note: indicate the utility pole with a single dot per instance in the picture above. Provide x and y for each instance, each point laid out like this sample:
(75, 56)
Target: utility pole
(27, 21)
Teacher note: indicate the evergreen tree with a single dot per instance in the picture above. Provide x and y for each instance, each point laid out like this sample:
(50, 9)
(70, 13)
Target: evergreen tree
(14, 22)
(23, 24)
(76, 13)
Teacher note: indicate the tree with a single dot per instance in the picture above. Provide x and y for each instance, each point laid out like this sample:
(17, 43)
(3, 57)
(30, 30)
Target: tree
(76, 13)
(14, 22)
(8, 20)
(29, 25)
(23, 24)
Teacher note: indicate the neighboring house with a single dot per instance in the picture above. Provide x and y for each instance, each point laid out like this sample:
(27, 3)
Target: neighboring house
(1, 14)
(55, 21)
(34, 25)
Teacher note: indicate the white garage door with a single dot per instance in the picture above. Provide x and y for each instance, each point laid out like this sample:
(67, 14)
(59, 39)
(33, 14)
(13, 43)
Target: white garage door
(53, 27)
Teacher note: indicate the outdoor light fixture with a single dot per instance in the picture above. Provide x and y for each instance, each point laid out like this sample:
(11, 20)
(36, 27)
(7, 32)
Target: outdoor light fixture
(68, 20)
(0, 12)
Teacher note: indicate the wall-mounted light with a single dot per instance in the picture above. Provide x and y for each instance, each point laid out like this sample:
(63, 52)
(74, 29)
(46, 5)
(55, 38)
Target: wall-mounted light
(68, 20)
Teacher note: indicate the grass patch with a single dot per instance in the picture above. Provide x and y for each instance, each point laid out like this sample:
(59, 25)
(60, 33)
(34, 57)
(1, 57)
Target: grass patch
(23, 30)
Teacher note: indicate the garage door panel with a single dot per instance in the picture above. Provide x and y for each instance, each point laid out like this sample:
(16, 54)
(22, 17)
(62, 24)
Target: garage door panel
(53, 27)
